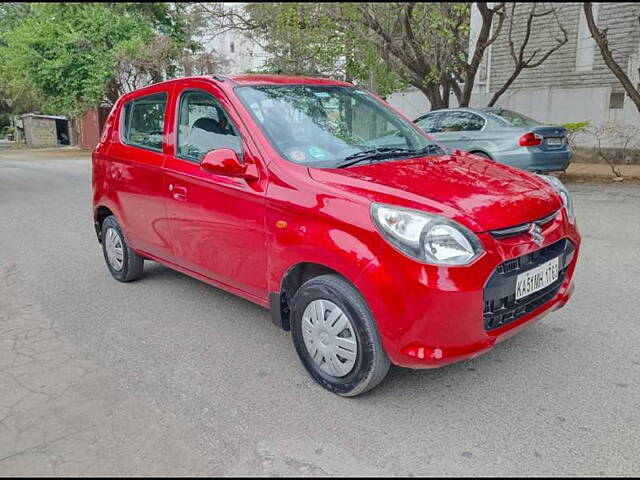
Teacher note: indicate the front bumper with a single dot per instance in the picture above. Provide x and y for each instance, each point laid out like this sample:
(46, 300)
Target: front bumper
(430, 316)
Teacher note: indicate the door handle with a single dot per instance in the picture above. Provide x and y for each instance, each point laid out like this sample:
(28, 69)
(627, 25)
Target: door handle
(116, 173)
(179, 193)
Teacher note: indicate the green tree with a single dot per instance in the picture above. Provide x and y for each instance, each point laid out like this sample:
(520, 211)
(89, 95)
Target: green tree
(72, 56)
(306, 38)
(386, 45)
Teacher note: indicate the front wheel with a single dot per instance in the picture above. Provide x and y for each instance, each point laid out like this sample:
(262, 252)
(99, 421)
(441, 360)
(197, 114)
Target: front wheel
(336, 338)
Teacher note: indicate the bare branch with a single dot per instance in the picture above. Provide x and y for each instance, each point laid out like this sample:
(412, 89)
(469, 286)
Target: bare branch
(520, 63)
(600, 37)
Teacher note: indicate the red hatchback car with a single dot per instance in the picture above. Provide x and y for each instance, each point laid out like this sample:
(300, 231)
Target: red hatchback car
(319, 201)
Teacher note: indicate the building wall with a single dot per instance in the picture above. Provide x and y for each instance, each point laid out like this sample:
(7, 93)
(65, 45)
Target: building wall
(560, 68)
(40, 132)
(242, 53)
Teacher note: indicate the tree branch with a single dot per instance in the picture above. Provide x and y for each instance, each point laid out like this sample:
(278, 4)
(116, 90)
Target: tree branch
(519, 59)
(600, 37)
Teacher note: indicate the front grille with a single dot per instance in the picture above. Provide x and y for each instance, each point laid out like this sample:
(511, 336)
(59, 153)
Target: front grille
(523, 227)
(500, 304)
(509, 266)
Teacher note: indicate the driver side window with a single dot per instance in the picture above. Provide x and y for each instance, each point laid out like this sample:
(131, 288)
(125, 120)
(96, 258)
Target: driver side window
(204, 126)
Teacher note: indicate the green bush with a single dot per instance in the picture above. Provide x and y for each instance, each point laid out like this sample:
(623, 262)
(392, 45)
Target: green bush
(576, 127)
(573, 128)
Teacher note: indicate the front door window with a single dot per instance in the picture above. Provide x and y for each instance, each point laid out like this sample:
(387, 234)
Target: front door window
(204, 126)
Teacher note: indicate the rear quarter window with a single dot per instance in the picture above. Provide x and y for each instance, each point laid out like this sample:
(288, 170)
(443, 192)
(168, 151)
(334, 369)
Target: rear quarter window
(143, 121)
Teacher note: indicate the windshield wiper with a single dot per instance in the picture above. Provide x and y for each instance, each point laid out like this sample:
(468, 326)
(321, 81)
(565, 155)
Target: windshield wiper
(384, 153)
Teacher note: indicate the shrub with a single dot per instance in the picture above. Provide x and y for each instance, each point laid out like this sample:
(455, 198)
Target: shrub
(573, 129)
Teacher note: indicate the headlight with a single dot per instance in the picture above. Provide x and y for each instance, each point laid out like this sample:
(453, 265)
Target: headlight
(426, 237)
(563, 192)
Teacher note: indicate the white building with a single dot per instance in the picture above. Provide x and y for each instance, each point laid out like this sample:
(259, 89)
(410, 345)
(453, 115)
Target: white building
(242, 53)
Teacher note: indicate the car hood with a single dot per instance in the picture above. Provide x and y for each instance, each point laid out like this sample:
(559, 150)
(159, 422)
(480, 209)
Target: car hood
(481, 194)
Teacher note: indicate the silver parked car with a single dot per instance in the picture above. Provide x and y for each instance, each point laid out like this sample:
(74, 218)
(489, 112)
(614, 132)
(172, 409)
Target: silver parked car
(502, 135)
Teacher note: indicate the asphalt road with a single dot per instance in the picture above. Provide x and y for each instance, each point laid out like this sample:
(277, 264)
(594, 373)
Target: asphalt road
(168, 375)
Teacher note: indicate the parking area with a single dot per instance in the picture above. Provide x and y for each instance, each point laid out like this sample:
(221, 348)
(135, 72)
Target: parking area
(170, 376)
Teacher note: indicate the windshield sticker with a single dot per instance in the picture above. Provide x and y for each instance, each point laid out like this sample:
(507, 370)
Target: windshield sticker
(297, 155)
(316, 152)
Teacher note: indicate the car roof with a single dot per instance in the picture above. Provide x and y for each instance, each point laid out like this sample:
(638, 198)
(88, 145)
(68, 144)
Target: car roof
(242, 79)
(245, 79)
(479, 110)
(264, 79)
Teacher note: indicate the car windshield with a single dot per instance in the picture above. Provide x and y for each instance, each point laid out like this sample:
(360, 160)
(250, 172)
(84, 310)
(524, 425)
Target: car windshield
(513, 119)
(331, 126)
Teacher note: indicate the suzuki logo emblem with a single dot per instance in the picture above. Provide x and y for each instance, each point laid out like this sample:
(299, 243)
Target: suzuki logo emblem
(536, 233)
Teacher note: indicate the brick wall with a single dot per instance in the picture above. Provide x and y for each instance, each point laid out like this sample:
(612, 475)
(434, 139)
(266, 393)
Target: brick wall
(40, 132)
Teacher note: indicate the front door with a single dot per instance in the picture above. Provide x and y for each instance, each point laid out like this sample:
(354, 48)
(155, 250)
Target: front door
(217, 222)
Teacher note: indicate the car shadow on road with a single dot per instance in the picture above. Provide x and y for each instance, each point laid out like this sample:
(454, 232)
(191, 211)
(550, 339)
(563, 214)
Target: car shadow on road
(491, 370)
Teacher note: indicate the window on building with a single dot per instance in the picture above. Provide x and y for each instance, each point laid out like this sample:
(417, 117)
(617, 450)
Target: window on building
(616, 100)
(232, 47)
(144, 121)
(585, 46)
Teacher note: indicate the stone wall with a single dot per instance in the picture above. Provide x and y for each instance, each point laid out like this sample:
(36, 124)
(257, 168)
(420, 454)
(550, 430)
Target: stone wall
(40, 132)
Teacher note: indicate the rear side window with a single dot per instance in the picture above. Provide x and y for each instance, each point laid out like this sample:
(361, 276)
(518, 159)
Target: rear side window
(429, 123)
(460, 122)
(143, 121)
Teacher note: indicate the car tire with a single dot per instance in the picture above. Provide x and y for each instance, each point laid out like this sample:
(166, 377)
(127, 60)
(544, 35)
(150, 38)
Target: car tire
(347, 376)
(124, 264)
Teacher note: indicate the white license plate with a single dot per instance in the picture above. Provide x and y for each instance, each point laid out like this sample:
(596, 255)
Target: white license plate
(537, 278)
(554, 141)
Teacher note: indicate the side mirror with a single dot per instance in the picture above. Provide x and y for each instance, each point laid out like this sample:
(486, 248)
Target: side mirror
(224, 161)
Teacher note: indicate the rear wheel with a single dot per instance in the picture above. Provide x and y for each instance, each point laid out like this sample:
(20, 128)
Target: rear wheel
(336, 338)
(124, 264)
(482, 154)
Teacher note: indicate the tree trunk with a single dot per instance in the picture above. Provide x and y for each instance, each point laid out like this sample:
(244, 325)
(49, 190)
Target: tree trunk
(465, 97)
(601, 40)
(433, 95)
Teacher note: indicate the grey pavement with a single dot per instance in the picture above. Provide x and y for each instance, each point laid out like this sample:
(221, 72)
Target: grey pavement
(170, 376)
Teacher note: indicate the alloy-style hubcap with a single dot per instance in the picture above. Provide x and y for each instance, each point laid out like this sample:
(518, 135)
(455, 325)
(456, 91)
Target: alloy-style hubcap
(329, 337)
(114, 248)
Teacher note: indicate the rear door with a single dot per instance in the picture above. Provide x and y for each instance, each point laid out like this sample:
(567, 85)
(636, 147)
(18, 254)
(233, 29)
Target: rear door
(217, 222)
(135, 174)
